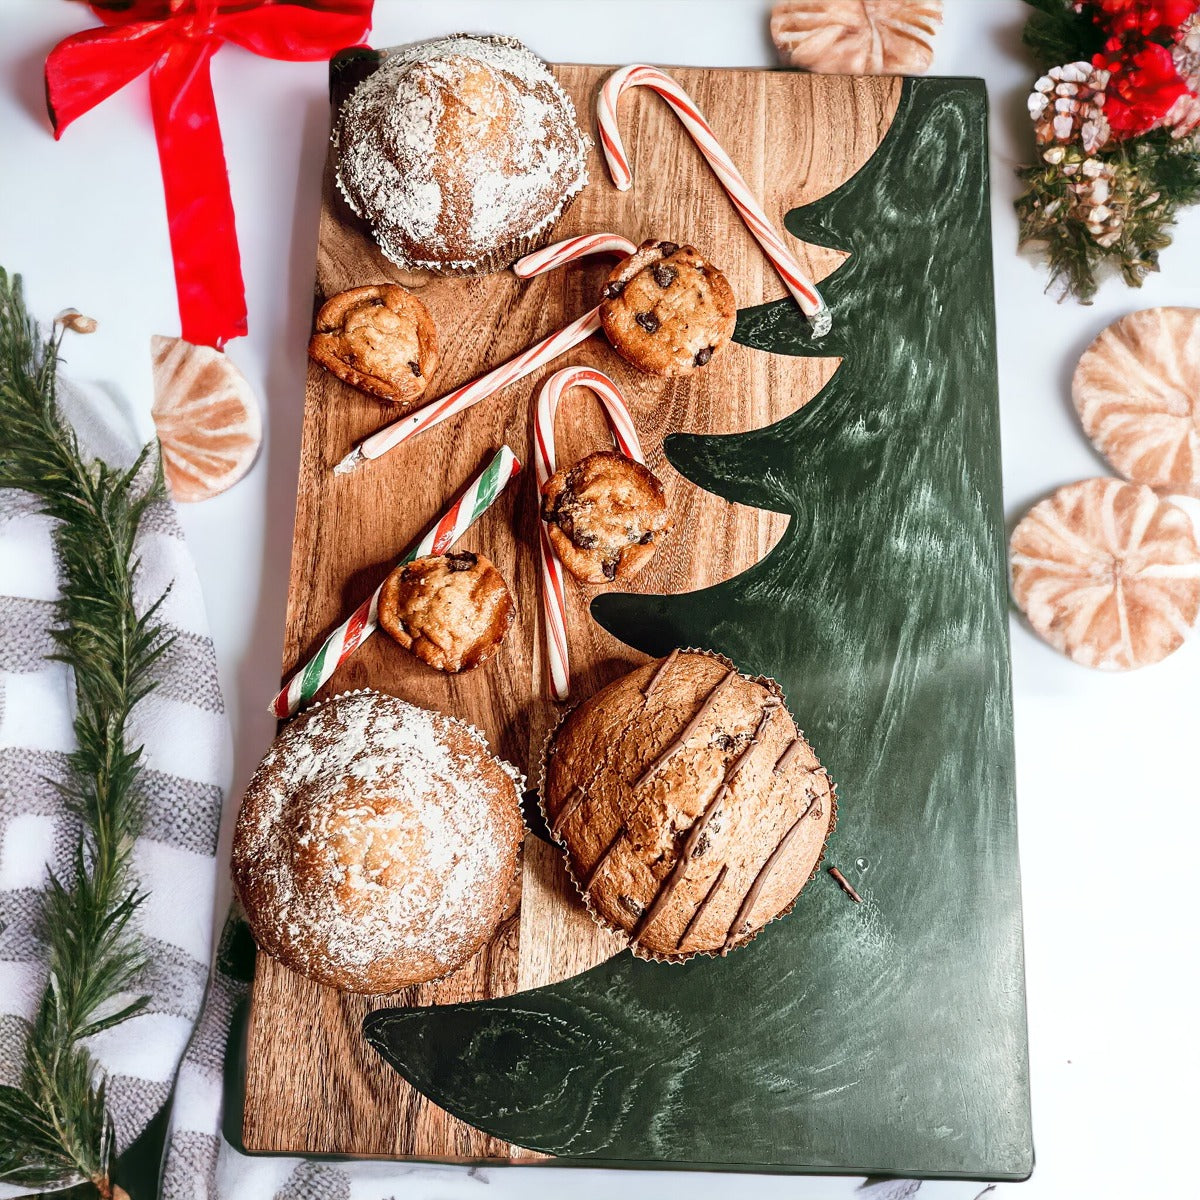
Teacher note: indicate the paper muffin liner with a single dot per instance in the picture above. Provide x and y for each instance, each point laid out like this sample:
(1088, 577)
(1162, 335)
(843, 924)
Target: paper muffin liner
(476, 734)
(637, 949)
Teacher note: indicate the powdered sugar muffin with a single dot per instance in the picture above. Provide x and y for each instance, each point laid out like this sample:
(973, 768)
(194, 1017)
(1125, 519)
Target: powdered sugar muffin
(460, 153)
(376, 844)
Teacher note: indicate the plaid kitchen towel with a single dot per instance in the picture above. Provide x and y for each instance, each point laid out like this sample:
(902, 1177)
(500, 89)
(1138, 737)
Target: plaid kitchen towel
(182, 726)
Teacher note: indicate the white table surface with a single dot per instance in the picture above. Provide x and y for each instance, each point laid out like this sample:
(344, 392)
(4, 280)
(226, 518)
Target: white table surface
(1107, 765)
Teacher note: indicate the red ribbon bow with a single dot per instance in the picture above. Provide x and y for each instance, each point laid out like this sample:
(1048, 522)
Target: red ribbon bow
(174, 40)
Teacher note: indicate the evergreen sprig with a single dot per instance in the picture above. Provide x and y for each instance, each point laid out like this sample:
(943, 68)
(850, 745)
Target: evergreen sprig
(1056, 33)
(55, 1128)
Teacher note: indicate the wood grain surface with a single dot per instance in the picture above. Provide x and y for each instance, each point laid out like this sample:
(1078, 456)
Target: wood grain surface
(312, 1084)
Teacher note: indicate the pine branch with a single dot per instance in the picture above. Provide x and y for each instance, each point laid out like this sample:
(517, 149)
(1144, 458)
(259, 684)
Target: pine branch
(1055, 34)
(55, 1129)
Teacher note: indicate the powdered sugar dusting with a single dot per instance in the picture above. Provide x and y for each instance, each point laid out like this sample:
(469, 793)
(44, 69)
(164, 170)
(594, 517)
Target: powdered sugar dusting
(456, 148)
(374, 841)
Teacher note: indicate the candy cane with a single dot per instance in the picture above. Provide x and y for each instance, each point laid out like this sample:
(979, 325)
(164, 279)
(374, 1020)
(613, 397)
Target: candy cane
(554, 600)
(549, 257)
(481, 493)
(528, 361)
(782, 259)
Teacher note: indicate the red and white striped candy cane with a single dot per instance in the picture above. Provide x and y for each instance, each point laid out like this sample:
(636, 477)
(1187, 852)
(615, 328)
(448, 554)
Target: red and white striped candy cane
(525, 363)
(738, 190)
(554, 599)
(549, 257)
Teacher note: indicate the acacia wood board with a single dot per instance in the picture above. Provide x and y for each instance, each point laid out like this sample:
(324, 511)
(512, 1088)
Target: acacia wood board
(312, 1083)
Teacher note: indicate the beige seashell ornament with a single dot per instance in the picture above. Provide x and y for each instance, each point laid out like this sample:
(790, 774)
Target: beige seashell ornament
(856, 37)
(207, 418)
(1137, 392)
(1107, 573)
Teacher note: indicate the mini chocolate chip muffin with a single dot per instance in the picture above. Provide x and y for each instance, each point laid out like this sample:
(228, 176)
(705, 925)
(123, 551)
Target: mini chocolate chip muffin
(379, 339)
(377, 844)
(667, 310)
(605, 516)
(690, 808)
(451, 610)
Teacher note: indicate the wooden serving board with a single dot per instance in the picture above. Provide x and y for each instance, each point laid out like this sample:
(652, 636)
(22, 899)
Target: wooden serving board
(312, 1084)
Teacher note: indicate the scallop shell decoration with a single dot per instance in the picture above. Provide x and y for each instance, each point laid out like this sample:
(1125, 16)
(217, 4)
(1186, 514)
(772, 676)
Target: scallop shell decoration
(1137, 392)
(856, 37)
(1107, 573)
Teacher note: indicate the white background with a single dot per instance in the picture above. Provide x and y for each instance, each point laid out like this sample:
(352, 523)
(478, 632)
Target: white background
(1107, 765)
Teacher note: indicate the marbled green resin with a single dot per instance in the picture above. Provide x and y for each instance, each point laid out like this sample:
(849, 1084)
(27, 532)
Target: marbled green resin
(887, 1036)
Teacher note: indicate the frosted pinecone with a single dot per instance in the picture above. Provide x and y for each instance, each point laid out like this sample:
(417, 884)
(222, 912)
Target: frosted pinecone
(1067, 105)
(1184, 118)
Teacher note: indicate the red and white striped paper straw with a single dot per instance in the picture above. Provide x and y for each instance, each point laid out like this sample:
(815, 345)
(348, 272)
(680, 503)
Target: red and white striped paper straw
(554, 599)
(748, 207)
(480, 494)
(528, 361)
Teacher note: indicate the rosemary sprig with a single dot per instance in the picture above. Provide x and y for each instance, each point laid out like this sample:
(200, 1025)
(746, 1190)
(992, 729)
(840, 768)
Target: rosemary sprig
(55, 1129)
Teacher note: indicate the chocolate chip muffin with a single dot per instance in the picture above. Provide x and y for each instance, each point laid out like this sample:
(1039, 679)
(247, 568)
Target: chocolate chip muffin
(379, 339)
(377, 844)
(690, 808)
(451, 610)
(605, 516)
(667, 310)
(460, 153)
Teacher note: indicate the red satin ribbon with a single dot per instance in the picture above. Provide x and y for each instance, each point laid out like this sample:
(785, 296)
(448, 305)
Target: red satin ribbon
(174, 40)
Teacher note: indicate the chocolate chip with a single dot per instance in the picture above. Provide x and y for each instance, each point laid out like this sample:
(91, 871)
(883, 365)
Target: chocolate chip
(702, 356)
(586, 541)
(648, 321)
(721, 740)
(664, 275)
(701, 846)
(635, 906)
(714, 822)
(463, 561)
(613, 290)
(609, 568)
(415, 368)
(646, 538)
(668, 247)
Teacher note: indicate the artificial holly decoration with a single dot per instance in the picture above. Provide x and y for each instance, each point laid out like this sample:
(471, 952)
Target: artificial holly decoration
(1115, 119)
